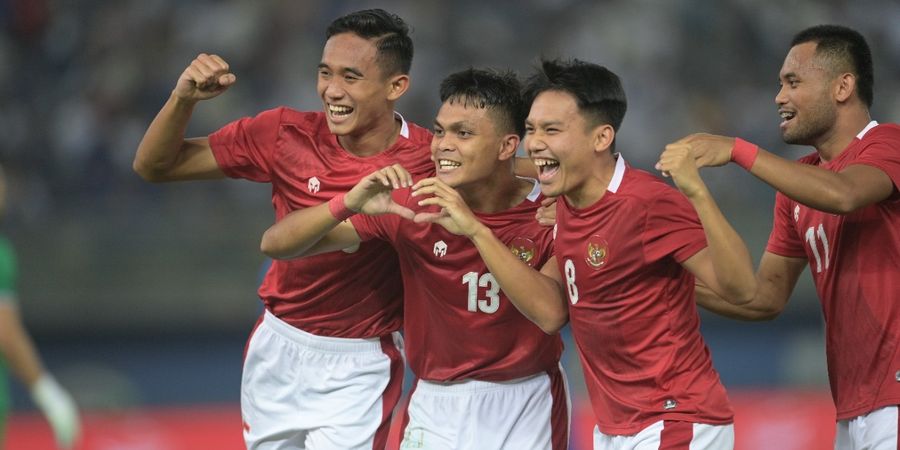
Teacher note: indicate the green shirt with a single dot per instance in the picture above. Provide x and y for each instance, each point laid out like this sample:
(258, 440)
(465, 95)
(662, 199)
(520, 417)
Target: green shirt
(8, 273)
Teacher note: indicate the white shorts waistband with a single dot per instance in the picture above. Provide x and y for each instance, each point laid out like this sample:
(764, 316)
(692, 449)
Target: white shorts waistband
(475, 386)
(323, 343)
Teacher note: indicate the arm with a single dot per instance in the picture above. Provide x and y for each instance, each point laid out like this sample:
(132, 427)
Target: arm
(841, 192)
(724, 265)
(539, 296)
(523, 167)
(776, 279)
(318, 229)
(164, 154)
(17, 349)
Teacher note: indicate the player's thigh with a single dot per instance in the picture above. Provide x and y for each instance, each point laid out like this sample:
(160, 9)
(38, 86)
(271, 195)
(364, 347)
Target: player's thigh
(670, 434)
(877, 430)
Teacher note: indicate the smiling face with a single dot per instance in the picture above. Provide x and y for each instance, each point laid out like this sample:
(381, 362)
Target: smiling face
(558, 139)
(466, 145)
(354, 90)
(805, 102)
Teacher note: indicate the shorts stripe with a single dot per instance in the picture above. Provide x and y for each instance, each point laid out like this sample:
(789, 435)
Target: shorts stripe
(676, 435)
(561, 409)
(392, 391)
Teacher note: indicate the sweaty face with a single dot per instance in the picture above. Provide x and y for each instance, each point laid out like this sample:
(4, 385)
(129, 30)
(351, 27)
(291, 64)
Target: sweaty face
(466, 143)
(558, 143)
(353, 89)
(805, 100)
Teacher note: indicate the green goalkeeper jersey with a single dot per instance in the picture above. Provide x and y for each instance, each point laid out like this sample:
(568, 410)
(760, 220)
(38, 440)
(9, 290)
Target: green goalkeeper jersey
(8, 270)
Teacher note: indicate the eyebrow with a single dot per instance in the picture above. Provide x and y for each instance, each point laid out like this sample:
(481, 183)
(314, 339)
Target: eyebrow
(544, 124)
(454, 125)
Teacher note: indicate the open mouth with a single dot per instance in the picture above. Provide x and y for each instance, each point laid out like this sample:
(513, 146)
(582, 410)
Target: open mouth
(546, 168)
(447, 165)
(786, 116)
(338, 112)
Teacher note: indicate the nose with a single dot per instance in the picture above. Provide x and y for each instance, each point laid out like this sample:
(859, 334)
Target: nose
(333, 89)
(781, 96)
(534, 144)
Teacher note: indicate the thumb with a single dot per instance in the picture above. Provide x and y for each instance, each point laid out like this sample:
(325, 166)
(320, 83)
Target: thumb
(401, 211)
(227, 79)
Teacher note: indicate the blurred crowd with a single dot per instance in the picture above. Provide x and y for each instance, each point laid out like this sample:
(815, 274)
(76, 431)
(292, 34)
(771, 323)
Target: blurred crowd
(80, 81)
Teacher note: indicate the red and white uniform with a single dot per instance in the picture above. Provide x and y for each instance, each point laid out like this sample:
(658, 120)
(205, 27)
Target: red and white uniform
(460, 326)
(296, 153)
(322, 370)
(855, 264)
(631, 306)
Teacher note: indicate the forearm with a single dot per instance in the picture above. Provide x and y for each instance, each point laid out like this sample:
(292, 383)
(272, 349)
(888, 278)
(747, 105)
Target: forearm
(537, 296)
(297, 233)
(752, 311)
(523, 167)
(159, 150)
(17, 349)
(731, 259)
(817, 188)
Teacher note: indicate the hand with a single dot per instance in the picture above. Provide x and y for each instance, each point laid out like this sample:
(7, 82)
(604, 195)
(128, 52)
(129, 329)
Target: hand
(546, 214)
(455, 214)
(58, 407)
(678, 162)
(205, 78)
(372, 195)
(708, 150)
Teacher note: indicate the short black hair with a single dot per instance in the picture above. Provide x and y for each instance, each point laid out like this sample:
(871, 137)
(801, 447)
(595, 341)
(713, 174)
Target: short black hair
(390, 32)
(598, 91)
(844, 48)
(499, 91)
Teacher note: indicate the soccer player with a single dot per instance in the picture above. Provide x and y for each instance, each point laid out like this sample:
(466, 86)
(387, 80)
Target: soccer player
(17, 352)
(627, 251)
(487, 378)
(838, 210)
(324, 367)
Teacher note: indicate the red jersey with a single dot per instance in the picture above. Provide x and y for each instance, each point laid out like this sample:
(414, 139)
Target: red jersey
(354, 293)
(457, 322)
(855, 263)
(631, 305)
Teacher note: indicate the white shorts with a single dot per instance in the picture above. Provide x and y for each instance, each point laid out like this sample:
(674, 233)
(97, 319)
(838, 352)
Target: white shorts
(876, 430)
(670, 435)
(301, 391)
(527, 413)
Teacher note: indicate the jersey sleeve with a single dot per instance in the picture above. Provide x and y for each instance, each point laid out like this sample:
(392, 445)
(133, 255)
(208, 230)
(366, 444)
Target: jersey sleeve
(784, 240)
(883, 152)
(244, 148)
(385, 227)
(672, 228)
(8, 272)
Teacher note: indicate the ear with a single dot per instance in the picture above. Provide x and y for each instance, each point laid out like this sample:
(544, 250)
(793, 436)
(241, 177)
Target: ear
(602, 137)
(844, 87)
(508, 146)
(398, 86)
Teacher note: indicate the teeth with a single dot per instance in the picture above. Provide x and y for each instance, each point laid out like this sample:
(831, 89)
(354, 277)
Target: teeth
(787, 115)
(445, 164)
(545, 162)
(339, 110)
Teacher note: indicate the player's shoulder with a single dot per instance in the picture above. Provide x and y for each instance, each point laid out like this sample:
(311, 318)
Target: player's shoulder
(883, 131)
(418, 135)
(641, 185)
(311, 121)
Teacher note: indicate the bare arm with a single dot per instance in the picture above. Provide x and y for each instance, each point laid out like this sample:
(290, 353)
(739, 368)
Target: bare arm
(16, 346)
(315, 230)
(164, 154)
(776, 279)
(523, 167)
(841, 192)
(724, 265)
(537, 295)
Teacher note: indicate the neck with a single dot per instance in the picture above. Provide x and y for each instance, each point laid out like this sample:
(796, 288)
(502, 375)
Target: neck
(373, 140)
(845, 128)
(500, 192)
(595, 185)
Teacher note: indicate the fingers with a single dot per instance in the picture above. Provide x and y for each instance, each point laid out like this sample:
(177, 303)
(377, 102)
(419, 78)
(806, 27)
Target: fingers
(429, 217)
(401, 211)
(210, 72)
(394, 176)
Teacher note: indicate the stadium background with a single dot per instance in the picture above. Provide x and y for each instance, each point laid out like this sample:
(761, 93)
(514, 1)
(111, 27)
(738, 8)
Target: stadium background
(141, 296)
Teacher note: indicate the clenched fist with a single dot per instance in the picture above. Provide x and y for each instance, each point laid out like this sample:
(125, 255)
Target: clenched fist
(205, 78)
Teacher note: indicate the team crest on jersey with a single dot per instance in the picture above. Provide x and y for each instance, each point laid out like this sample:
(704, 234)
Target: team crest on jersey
(524, 249)
(440, 249)
(597, 252)
(314, 185)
